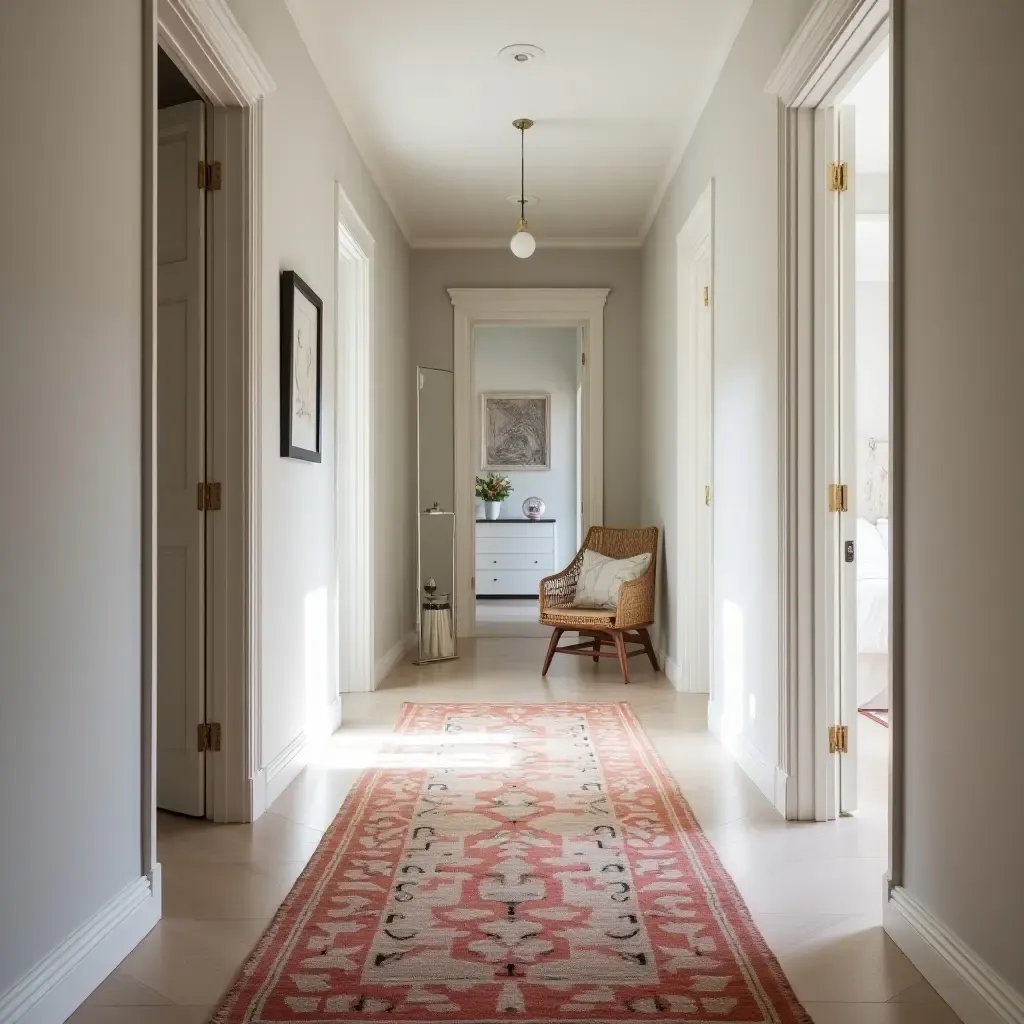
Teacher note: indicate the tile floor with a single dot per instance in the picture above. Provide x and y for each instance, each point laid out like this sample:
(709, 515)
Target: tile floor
(814, 889)
(509, 617)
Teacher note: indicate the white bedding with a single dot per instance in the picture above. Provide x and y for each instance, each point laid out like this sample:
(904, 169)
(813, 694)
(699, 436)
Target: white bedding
(872, 587)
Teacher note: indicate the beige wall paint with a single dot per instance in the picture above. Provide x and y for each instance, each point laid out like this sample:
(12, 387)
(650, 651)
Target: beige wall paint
(964, 430)
(70, 462)
(737, 133)
(307, 149)
(431, 325)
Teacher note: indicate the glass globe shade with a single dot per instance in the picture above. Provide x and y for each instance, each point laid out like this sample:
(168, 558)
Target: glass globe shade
(523, 244)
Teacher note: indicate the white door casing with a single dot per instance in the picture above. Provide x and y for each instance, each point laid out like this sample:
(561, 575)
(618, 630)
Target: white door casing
(181, 458)
(691, 664)
(536, 307)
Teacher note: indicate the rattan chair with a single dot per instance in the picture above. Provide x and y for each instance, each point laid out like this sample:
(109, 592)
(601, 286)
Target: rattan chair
(616, 627)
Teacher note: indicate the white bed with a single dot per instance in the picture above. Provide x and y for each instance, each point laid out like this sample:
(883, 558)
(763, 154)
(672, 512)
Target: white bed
(873, 574)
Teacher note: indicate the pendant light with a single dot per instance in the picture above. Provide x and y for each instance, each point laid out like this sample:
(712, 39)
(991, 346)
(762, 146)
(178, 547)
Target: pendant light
(523, 243)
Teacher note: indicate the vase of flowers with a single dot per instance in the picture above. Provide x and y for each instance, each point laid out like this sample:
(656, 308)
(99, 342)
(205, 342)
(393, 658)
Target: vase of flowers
(492, 490)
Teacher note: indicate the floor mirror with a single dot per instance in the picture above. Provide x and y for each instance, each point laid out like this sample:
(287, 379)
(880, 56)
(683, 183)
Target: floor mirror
(435, 557)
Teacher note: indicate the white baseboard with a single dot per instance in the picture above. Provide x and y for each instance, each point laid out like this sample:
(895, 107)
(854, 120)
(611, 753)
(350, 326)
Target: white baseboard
(275, 777)
(387, 663)
(62, 981)
(782, 784)
(976, 993)
(673, 670)
(763, 773)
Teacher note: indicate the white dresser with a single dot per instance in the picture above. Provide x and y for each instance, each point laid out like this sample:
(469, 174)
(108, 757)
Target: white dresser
(513, 556)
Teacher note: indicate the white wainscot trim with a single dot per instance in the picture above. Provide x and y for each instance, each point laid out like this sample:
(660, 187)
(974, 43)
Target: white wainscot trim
(62, 980)
(761, 771)
(976, 993)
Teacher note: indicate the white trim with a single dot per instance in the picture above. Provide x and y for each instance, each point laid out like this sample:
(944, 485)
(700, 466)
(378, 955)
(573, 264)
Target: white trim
(823, 47)
(580, 307)
(64, 978)
(542, 243)
(354, 462)
(205, 40)
(834, 40)
(697, 232)
(973, 989)
(673, 670)
(279, 773)
(388, 662)
(214, 51)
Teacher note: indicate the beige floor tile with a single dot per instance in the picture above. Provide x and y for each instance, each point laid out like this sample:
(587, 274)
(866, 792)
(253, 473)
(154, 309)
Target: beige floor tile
(219, 891)
(853, 960)
(880, 1013)
(193, 963)
(272, 837)
(121, 989)
(89, 1014)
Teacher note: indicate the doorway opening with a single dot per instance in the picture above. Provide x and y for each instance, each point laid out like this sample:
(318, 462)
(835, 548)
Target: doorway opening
(528, 398)
(183, 496)
(860, 193)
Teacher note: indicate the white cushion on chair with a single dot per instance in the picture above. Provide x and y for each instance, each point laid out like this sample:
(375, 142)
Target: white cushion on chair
(600, 578)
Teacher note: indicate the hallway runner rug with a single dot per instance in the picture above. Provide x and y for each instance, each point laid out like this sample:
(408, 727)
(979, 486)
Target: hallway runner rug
(514, 862)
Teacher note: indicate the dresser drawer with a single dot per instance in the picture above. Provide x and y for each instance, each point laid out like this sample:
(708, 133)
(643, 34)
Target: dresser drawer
(515, 529)
(514, 545)
(509, 581)
(535, 562)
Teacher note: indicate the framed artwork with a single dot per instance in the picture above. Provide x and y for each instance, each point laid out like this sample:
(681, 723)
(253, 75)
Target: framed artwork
(516, 431)
(302, 344)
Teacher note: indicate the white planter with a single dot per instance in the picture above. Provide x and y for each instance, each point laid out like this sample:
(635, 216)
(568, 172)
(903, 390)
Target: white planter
(492, 509)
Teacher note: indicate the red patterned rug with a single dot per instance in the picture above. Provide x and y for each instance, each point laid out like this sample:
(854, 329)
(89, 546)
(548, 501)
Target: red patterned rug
(526, 862)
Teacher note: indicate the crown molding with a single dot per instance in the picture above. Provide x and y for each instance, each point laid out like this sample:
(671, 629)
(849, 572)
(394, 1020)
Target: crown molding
(542, 243)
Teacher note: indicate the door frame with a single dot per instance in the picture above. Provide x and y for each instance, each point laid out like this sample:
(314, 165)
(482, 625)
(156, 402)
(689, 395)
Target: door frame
(696, 234)
(582, 308)
(211, 50)
(835, 41)
(354, 473)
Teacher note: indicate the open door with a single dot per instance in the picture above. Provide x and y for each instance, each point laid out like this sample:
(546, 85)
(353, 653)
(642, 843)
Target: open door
(847, 394)
(181, 459)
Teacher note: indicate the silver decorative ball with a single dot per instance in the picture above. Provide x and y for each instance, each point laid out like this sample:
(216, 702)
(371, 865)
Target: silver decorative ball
(533, 508)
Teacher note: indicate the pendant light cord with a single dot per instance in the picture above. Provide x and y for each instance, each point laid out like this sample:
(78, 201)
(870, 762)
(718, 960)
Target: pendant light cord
(522, 175)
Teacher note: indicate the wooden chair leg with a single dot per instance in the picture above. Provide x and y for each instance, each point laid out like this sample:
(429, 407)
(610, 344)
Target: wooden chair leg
(620, 647)
(597, 648)
(556, 635)
(649, 648)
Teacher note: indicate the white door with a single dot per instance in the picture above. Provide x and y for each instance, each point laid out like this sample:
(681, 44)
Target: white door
(847, 453)
(181, 461)
(703, 437)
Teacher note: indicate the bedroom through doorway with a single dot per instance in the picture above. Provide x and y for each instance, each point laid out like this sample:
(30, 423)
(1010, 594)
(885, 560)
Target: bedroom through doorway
(862, 133)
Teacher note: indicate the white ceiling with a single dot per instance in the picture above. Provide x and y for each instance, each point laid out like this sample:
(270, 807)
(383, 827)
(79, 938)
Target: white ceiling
(430, 106)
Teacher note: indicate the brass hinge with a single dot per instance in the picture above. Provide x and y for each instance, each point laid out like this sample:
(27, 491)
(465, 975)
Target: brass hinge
(583, 358)
(209, 176)
(838, 498)
(838, 177)
(838, 739)
(707, 494)
(707, 296)
(208, 497)
(208, 735)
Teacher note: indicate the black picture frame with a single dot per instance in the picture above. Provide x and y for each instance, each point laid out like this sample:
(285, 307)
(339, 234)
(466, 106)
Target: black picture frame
(292, 446)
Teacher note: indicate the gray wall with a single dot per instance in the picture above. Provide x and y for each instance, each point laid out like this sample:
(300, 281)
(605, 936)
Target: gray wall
(70, 498)
(299, 498)
(964, 423)
(737, 132)
(431, 325)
